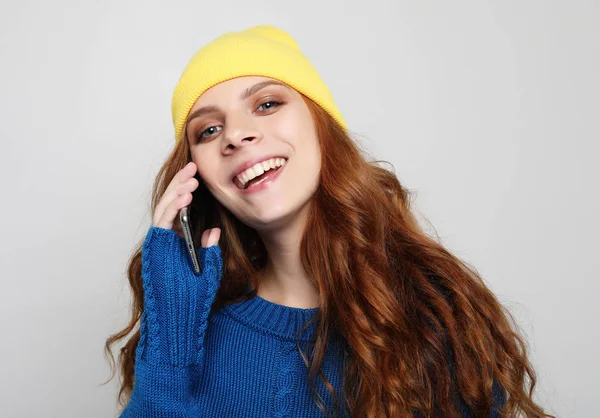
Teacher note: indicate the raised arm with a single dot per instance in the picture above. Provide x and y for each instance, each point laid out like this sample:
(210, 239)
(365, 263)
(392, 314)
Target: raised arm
(176, 306)
(177, 303)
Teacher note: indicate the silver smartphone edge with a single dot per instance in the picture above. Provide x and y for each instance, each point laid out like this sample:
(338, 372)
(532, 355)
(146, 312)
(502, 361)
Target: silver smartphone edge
(184, 218)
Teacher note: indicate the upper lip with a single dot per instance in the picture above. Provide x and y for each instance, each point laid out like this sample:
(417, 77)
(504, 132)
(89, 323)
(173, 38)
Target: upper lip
(249, 163)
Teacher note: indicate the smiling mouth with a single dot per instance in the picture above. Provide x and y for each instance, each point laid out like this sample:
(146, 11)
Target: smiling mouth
(238, 181)
(258, 179)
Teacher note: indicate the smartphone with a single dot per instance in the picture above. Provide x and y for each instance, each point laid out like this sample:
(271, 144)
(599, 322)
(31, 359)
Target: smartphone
(188, 233)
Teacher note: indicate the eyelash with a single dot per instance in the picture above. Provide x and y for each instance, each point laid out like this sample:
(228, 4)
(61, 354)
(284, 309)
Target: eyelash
(200, 137)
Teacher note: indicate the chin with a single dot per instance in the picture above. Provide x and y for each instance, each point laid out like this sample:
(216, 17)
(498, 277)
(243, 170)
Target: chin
(279, 216)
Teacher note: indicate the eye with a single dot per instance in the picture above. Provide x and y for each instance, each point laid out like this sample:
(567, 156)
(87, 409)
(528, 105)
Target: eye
(273, 102)
(201, 135)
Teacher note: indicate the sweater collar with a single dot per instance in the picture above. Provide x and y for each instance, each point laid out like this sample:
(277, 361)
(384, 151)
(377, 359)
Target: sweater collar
(279, 320)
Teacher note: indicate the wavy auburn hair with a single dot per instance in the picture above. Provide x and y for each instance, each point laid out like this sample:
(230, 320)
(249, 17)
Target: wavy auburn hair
(397, 298)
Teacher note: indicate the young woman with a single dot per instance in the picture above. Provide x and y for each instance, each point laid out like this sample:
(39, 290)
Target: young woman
(319, 294)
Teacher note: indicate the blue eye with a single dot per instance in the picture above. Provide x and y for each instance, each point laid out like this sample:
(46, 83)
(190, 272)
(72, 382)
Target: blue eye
(201, 136)
(275, 102)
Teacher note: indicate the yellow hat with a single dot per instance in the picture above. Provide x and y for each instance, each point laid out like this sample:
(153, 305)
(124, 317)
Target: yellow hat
(263, 50)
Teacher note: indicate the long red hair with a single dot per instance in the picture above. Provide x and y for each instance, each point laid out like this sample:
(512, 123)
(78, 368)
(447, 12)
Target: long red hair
(401, 302)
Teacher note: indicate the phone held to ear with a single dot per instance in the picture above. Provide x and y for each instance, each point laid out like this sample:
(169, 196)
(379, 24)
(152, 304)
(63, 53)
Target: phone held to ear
(188, 233)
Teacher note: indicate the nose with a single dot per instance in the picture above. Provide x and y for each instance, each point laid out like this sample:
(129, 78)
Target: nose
(240, 131)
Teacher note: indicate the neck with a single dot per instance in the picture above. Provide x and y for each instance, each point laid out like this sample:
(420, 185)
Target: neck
(284, 280)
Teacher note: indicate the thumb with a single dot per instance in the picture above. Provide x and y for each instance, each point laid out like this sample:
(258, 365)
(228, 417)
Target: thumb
(210, 259)
(211, 237)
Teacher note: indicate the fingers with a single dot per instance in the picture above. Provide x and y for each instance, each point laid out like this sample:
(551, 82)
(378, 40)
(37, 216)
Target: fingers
(182, 176)
(177, 195)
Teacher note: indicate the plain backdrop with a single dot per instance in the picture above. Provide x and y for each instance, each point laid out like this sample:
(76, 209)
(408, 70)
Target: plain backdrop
(488, 111)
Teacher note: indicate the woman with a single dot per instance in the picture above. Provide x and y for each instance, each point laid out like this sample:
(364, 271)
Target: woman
(323, 296)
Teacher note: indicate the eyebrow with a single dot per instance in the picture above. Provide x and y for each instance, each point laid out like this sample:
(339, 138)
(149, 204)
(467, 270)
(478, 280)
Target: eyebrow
(247, 93)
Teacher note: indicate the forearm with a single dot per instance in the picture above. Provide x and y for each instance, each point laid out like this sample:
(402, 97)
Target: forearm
(177, 303)
(162, 391)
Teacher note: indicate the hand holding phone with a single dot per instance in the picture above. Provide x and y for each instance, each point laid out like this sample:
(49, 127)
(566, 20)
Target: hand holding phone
(176, 200)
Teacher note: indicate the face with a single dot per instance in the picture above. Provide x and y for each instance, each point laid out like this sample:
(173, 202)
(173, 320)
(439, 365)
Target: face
(248, 120)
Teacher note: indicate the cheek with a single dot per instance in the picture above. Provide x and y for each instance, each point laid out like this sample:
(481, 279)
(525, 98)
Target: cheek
(293, 122)
(300, 133)
(206, 167)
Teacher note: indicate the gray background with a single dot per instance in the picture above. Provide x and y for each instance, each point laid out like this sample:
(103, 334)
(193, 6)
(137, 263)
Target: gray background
(487, 109)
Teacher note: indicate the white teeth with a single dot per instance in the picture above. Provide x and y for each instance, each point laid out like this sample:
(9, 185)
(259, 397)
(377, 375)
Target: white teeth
(256, 170)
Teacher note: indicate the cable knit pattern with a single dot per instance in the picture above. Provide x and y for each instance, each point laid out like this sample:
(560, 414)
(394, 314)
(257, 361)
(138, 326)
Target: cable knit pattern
(213, 259)
(177, 302)
(285, 384)
(150, 317)
(176, 307)
(241, 361)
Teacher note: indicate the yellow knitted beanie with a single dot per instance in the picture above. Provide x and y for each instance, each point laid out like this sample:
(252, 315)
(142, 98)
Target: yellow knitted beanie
(263, 50)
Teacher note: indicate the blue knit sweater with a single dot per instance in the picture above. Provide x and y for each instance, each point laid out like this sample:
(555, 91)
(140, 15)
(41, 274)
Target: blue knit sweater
(240, 361)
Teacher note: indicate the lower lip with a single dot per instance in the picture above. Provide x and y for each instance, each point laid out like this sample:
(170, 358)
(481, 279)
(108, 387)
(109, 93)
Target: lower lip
(264, 184)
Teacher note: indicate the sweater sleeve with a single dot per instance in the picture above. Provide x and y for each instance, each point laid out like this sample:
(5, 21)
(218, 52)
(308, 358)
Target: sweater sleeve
(177, 303)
